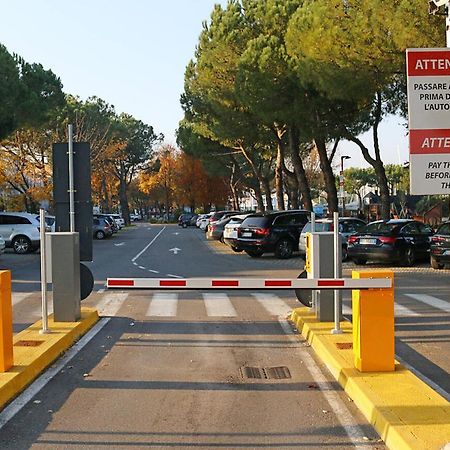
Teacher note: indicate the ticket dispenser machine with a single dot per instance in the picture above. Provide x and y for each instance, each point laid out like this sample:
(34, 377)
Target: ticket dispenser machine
(320, 264)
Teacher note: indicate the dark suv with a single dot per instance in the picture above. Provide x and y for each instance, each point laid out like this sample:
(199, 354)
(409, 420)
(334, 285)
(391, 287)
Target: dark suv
(276, 232)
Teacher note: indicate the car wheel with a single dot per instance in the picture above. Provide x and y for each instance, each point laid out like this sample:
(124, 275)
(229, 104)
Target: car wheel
(254, 253)
(184, 225)
(409, 257)
(435, 264)
(100, 234)
(21, 245)
(221, 239)
(237, 250)
(284, 249)
(360, 261)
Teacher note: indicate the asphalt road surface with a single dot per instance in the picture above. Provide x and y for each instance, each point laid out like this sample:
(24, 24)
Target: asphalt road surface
(173, 369)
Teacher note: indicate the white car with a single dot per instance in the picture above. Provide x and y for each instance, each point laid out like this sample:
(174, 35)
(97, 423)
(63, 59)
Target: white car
(2, 245)
(230, 232)
(203, 223)
(20, 231)
(120, 221)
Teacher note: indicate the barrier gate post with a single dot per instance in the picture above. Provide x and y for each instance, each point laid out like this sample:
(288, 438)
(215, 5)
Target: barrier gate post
(373, 325)
(6, 322)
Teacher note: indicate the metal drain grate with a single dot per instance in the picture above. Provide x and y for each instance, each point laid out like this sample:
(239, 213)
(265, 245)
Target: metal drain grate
(251, 372)
(277, 373)
(268, 373)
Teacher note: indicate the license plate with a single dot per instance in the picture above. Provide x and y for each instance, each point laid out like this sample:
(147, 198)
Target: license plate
(366, 241)
(247, 234)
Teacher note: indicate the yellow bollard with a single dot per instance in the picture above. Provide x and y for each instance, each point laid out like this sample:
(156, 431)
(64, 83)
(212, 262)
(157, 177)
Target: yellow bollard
(373, 325)
(6, 323)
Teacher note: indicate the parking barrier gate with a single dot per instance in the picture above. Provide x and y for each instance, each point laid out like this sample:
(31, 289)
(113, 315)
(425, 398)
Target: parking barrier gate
(368, 322)
(248, 283)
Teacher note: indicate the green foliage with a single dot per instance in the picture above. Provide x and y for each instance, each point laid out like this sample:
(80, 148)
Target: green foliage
(29, 94)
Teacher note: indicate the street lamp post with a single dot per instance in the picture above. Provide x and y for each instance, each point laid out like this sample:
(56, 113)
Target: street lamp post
(341, 183)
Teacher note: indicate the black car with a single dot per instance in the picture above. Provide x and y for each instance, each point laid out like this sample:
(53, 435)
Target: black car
(185, 219)
(397, 240)
(276, 232)
(440, 247)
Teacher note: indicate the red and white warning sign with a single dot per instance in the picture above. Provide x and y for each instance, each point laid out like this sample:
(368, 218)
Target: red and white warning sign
(428, 73)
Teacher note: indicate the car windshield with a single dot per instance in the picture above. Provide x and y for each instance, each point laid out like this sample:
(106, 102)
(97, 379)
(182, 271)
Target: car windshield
(381, 228)
(256, 222)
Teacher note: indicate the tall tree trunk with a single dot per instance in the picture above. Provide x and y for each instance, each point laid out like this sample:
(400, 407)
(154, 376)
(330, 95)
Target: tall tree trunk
(104, 202)
(327, 170)
(258, 178)
(123, 198)
(279, 176)
(268, 194)
(299, 170)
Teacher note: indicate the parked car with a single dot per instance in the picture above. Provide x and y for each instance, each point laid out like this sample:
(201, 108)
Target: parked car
(117, 220)
(215, 229)
(50, 222)
(20, 231)
(347, 227)
(204, 221)
(397, 240)
(2, 245)
(120, 221)
(440, 247)
(230, 232)
(135, 217)
(101, 228)
(110, 220)
(193, 221)
(185, 220)
(276, 232)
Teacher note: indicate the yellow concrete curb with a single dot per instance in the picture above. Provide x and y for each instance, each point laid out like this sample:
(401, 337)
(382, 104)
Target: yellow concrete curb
(30, 360)
(405, 411)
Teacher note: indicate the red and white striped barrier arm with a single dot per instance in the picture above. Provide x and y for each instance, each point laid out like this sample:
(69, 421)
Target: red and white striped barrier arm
(249, 283)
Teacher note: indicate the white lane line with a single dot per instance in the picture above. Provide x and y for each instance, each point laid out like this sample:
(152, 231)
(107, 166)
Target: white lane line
(142, 267)
(219, 305)
(173, 276)
(346, 419)
(17, 297)
(148, 245)
(13, 408)
(110, 304)
(431, 301)
(273, 304)
(163, 305)
(153, 271)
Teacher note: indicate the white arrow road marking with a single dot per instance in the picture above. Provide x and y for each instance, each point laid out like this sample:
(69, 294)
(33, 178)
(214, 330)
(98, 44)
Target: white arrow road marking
(176, 234)
(118, 245)
(175, 250)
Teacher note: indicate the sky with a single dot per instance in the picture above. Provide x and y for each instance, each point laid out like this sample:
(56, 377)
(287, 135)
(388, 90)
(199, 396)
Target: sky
(133, 55)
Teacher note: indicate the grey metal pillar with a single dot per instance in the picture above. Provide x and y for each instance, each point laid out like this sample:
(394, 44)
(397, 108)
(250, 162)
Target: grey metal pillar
(322, 266)
(65, 262)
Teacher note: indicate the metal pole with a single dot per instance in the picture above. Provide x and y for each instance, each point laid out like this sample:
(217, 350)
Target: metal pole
(42, 226)
(313, 222)
(71, 183)
(337, 255)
